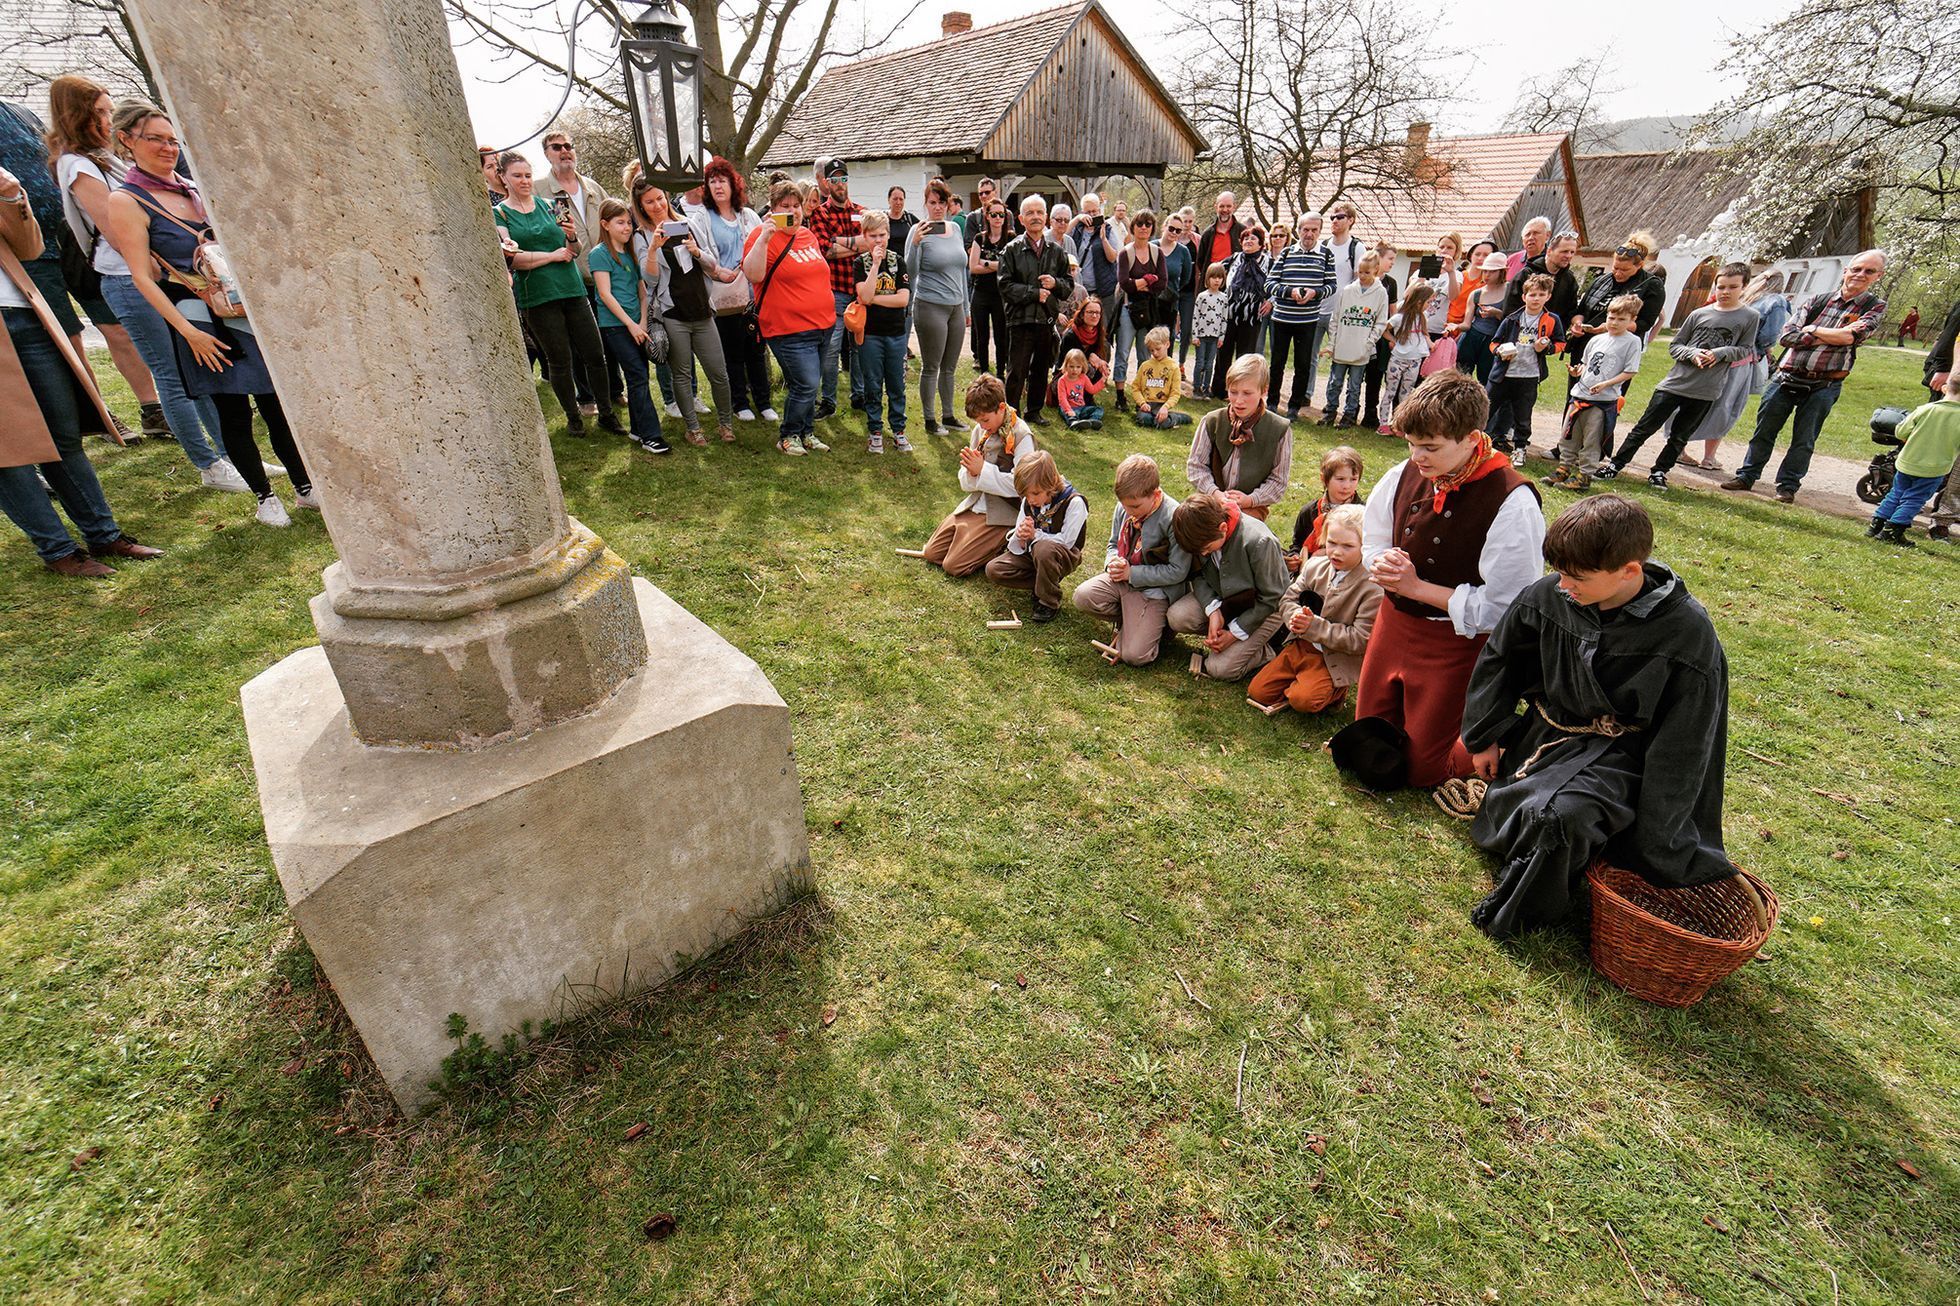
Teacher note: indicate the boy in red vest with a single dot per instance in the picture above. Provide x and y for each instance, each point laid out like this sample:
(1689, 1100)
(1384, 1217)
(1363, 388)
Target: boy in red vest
(1452, 535)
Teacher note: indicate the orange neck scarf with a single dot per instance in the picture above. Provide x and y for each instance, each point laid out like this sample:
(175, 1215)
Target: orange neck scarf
(1482, 461)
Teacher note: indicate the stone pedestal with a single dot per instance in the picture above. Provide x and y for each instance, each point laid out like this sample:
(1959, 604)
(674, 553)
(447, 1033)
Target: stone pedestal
(513, 777)
(510, 884)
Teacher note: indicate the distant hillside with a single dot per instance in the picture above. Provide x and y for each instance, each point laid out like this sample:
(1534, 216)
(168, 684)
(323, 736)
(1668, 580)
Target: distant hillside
(1633, 135)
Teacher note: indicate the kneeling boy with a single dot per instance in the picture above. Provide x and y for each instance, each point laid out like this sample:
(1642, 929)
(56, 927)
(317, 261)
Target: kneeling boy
(1451, 535)
(1144, 570)
(1239, 578)
(1620, 749)
(977, 530)
(1328, 613)
(1046, 542)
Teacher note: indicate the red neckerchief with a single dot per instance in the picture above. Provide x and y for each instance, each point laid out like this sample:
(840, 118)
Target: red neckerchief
(1242, 433)
(1129, 538)
(1481, 463)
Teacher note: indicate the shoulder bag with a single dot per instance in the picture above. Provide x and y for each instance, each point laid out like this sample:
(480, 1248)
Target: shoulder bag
(209, 277)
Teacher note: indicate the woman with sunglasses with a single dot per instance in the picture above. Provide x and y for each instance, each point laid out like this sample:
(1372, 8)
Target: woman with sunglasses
(157, 220)
(1179, 263)
(987, 236)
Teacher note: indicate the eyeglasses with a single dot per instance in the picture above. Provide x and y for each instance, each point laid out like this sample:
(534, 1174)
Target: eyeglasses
(559, 145)
(161, 142)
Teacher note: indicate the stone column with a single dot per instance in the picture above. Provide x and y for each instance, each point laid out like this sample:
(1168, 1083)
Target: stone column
(476, 795)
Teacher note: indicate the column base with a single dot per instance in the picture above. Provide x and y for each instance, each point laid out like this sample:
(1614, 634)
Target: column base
(605, 850)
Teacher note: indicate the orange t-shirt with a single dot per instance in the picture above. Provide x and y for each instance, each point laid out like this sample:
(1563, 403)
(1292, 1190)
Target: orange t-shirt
(799, 296)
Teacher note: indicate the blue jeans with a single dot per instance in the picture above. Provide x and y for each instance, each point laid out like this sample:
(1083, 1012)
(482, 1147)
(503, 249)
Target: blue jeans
(1906, 497)
(800, 355)
(72, 478)
(1201, 370)
(1348, 378)
(1126, 341)
(881, 362)
(642, 417)
(836, 343)
(193, 421)
(1776, 407)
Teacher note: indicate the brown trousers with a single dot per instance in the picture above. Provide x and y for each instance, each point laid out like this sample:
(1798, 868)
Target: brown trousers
(1239, 660)
(964, 543)
(1040, 569)
(1298, 675)
(1139, 618)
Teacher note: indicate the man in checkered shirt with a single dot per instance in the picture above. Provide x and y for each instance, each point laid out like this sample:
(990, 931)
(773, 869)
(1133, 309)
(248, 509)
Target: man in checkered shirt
(834, 222)
(1820, 344)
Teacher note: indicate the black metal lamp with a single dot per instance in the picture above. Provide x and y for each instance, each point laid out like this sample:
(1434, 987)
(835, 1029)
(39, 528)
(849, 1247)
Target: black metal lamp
(663, 89)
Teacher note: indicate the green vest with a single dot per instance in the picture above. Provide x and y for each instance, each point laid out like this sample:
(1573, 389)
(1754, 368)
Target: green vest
(1257, 456)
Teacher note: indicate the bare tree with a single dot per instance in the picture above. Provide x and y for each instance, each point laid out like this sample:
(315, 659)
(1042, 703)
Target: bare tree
(1306, 101)
(1567, 101)
(39, 40)
(757, 61)
(1843, 95)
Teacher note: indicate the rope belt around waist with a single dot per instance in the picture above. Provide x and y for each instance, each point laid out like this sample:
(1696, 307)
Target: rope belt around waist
(1608, 727)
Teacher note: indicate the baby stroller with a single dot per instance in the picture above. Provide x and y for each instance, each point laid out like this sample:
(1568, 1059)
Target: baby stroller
(1877, 480)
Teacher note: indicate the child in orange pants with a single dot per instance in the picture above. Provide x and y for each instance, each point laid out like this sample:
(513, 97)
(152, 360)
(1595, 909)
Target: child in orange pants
(1329, 611)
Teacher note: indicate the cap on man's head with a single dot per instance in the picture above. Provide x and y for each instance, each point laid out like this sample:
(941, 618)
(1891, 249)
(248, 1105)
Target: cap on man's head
(835, 168)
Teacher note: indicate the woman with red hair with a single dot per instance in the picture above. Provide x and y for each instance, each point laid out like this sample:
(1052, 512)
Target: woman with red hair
(722, 223)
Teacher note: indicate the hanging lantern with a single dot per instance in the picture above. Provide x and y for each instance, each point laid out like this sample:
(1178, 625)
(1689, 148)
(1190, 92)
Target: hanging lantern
(663, 90)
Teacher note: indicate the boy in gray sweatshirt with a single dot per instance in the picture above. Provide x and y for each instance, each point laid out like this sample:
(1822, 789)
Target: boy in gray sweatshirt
(1713, 338)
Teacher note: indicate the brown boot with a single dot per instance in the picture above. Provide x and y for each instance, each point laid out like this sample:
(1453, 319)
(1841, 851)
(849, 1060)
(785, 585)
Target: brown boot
(124, 547)
(79, 566)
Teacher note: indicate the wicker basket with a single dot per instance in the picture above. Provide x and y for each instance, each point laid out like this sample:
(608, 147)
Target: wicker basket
(1670, 946)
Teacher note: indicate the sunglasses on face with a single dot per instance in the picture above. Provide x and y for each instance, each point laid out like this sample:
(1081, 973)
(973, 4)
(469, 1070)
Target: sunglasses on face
(559, 145)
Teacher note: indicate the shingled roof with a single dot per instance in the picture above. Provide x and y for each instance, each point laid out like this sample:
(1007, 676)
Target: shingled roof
(1677, 198)
(1481, 182)
(949, 97)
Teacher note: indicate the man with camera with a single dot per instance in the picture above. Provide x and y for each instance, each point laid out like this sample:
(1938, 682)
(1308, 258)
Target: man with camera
(574, 199)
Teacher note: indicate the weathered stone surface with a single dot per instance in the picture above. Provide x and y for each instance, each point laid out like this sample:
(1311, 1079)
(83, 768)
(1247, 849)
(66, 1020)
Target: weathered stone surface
(598, 851)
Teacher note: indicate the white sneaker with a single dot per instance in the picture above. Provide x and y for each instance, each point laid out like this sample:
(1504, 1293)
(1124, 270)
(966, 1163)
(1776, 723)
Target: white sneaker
(876, 443)
(272, 512)
(812, 443)
(221, 475)
(746, 414)
(771, 415)
(273, 468)
(310, 499)
(699, 407)
(1517, 457)
(673, 409)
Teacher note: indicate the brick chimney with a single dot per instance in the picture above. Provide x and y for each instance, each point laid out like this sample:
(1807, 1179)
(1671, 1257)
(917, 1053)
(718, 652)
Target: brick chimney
(955, 22)
(1418, 146)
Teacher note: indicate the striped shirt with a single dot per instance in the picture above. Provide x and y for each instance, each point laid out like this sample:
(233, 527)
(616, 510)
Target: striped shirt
(1300, 269)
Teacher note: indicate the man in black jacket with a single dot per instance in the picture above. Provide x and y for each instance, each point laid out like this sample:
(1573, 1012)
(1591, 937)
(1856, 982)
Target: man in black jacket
(1939, 362)
(1034, 283)
(1556, 263)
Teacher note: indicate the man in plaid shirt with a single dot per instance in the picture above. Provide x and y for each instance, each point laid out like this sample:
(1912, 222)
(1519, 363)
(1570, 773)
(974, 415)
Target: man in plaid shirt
(834, 223)
(1820, 345)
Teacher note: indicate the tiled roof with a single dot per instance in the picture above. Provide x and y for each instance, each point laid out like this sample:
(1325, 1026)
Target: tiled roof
(1482, 180)
(940, 98)
(1678, 199)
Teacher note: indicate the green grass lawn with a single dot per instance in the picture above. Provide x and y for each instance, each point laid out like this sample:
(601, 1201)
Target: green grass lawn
(1017, 851)
(1882, 377)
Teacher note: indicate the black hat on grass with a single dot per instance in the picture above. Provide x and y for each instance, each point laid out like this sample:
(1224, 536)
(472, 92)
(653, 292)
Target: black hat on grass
(1374, 751)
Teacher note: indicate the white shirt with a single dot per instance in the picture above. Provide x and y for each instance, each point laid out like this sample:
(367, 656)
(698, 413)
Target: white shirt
(1513, 555)
(1075, 522)
(1347, 263)
(107, 260)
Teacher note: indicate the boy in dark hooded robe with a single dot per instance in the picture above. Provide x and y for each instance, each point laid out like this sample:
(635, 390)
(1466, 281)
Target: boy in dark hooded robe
(1620, 746)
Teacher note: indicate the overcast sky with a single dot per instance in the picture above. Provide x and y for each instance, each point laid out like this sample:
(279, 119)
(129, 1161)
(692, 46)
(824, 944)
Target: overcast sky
(1664, 51)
